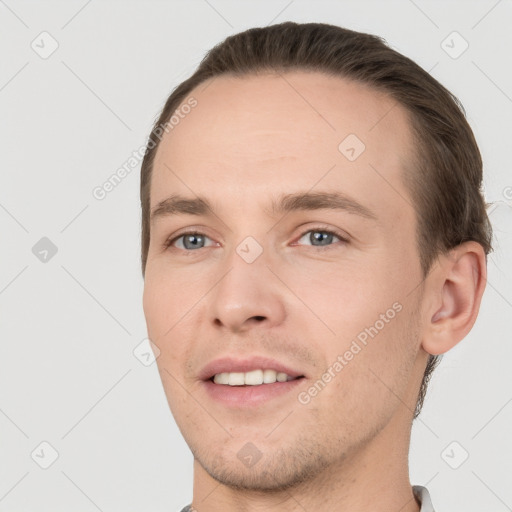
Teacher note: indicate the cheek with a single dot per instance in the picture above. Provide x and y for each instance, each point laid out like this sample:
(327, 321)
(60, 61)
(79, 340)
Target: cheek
(159, 319)
(167, 299)
(156, 307)
(371, 379)
(171, 303)
(362, 314)
(340, 299)
(163, 327)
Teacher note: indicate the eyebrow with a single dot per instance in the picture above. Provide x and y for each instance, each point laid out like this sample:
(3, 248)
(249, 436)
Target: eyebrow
(286, 203)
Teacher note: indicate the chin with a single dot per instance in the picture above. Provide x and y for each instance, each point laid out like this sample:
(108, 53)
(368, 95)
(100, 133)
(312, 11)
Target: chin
(281, 469)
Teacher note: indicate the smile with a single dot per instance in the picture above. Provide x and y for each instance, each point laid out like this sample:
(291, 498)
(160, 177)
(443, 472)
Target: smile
(252, 378)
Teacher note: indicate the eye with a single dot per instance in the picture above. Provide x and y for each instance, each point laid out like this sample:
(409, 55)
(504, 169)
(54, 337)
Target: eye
(190, 241)
(318, 237)
(321, 237)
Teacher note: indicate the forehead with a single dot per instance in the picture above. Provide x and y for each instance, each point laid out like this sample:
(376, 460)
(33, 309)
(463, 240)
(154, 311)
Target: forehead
(250, 136)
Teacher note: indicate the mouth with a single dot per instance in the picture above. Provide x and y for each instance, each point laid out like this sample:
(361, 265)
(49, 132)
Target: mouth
(257, 377)
(249, 383)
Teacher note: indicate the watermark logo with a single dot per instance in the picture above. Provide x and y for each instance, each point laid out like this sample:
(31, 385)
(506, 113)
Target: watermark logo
(146, 352)
(249, 249)
(44, 455)
(44, 250)
(249, 455)
(455, 455)
(44, 45)
(454, 45)
(351, 147)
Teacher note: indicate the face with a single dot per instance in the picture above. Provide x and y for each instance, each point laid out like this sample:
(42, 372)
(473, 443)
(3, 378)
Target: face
(305, 262)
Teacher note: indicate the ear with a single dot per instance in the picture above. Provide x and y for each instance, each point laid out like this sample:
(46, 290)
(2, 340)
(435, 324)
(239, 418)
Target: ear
(454, 292)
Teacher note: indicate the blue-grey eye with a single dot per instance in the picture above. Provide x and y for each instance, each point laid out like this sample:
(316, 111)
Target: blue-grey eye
(190, 241)
(319, 238)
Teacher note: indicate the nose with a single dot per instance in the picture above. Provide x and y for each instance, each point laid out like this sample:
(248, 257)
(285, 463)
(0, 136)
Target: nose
(248, 295)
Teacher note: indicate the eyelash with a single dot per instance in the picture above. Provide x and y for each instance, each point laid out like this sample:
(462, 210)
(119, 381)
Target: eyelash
(320, 229)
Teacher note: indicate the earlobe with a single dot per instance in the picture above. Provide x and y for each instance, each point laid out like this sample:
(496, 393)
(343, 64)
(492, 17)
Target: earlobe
(457, 287)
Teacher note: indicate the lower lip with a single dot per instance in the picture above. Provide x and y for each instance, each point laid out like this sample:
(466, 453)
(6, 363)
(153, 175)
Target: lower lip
(248, 396)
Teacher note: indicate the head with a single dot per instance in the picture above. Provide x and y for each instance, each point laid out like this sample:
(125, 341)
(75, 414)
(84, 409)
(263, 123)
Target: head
(274, 125)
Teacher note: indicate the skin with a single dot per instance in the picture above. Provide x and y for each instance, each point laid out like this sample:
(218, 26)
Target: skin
(250, 139)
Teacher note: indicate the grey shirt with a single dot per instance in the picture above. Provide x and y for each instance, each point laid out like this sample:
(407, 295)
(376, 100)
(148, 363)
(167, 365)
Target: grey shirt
(421, 494)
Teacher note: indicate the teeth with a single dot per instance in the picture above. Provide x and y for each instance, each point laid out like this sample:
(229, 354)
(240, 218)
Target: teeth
(221, 378)
(252, 378)
(269, 376)
(236, 379)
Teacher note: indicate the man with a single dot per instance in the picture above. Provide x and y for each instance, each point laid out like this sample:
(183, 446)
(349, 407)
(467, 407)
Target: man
(313, 236)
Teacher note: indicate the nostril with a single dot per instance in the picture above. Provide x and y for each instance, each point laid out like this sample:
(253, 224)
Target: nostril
(259, 318)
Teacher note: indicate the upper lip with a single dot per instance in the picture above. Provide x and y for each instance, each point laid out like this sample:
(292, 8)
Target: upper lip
(229, 364)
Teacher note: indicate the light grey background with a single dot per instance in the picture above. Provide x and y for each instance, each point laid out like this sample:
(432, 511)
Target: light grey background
(69, 326)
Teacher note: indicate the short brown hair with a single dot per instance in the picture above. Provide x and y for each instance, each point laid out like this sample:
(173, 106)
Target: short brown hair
(446, 184)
